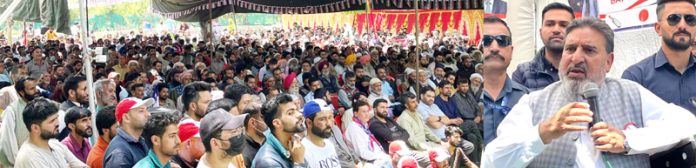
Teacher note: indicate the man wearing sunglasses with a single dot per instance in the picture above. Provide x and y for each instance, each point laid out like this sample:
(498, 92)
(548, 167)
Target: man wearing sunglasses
(500, 92)
(671, 72)
(553, 127)
(543, 69)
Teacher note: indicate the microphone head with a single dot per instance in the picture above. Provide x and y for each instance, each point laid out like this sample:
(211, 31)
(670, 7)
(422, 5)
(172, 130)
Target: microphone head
(589, 90)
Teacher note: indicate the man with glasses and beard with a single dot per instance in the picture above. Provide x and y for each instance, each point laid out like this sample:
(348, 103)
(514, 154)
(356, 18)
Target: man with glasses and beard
(319, 119)
(671, 72)
(79, 122)
(41, 149)
(282, 147)
(12, 132)
(500, 92)
(223, 138)
(128, 147)
(106, 127)
(553, 127)
(162, 134)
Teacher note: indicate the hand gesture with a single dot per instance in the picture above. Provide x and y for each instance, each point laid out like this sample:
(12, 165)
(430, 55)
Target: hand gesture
(608, 138)
(562, 121)
(297, 150)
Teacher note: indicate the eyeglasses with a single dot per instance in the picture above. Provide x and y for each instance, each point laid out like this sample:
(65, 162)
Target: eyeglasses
(674, 19)
(503, 40)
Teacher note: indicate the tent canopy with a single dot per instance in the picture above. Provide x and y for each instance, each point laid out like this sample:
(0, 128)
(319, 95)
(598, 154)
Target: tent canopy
(201, 10)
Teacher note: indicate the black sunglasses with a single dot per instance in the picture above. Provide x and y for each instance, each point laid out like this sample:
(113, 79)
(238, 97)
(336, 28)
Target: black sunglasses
(674, 19)
(503, 40)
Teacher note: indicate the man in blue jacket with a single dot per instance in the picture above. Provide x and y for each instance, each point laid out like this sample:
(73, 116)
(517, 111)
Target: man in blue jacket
(282, 147)
(128, 147)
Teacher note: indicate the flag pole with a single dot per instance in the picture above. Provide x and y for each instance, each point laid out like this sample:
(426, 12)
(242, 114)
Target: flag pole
(88, 65)
(418, 53)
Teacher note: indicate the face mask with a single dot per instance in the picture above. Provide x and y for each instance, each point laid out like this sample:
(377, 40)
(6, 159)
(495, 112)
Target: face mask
(236, 145)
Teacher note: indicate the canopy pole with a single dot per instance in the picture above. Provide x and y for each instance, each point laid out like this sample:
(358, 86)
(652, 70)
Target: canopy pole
(418, 53)
(88, 65)
(9, 31)
(210, 22)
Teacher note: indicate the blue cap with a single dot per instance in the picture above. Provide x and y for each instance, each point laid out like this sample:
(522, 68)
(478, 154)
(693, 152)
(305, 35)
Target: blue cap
(314, 106)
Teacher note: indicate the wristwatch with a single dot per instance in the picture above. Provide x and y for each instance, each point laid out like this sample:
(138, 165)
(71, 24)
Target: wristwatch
(627, 147)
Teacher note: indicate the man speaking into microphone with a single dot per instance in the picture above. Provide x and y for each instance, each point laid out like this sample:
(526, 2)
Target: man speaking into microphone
(554, 127)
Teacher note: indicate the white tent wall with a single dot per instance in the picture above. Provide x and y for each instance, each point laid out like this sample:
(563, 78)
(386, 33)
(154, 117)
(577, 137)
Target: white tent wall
(632, 46)
(524, 19)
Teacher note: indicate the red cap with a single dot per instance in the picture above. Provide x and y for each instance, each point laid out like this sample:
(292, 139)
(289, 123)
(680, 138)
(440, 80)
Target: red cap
(407, 162)
(188, 130)
(130, 103)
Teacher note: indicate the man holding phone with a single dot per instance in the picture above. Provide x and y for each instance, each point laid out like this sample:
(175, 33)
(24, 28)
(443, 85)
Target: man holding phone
(282, 147)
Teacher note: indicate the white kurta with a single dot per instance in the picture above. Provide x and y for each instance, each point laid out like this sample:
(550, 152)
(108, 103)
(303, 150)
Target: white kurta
(519, 142)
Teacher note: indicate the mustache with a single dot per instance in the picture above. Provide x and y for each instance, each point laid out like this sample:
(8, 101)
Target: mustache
(494, 54)
(681, 32)
(577, 67)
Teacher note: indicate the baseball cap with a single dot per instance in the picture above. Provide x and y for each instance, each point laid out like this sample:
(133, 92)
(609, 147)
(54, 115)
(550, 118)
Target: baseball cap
(398, 147)
(219, 120)
(314, 106)
(407, 162)
(438, 155)
(130, 103)
(188, 130)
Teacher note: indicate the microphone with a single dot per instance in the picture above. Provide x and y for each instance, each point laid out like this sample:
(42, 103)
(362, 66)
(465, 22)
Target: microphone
(590, 92)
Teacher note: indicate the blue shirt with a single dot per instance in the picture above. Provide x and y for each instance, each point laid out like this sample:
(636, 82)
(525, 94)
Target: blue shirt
(448, 107)
(124, 151)
(495, 109)
(657, 75)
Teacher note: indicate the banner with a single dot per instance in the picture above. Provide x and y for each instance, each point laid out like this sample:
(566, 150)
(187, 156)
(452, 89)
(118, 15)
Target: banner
(462, 21)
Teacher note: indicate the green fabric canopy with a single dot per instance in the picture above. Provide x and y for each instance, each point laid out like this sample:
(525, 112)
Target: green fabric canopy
(51, 13)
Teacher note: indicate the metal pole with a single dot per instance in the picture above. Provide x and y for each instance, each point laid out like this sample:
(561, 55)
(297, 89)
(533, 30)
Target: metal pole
(418, 53)
(9, 31)
(234, 19)
(88, 66)
(210, 22)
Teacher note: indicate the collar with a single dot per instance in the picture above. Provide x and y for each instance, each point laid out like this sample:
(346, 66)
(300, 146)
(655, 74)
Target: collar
(153, 158)
(508, 87)
(251, 141)
(661, 60)
(120, 132)
(275, 143)
(540, 61)
(73, 141)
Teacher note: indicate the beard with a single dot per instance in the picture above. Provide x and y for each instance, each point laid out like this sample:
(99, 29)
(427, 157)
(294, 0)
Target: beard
(48, 134)
(326, 133)
(555, 47)
(381, 114)
(673, 44)
(87, 132)
(572, 88)
(28, 97)
(474, 89)
(296, 128)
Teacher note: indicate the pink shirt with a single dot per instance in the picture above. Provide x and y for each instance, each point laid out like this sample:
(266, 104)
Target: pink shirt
(81, 152)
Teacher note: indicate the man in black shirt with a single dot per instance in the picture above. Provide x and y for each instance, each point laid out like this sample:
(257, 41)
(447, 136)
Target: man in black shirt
(384, 128)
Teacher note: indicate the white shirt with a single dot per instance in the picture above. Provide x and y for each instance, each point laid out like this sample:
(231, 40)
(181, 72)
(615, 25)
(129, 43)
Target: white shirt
(361, 142)
(433, 110)
(204, 162)
(30, 155)
(372, 97)
(320, 157)
(519, 142)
